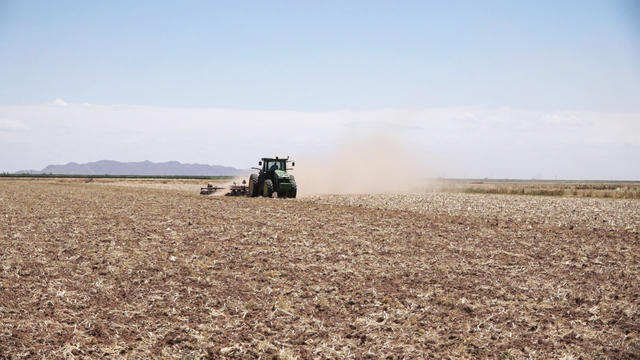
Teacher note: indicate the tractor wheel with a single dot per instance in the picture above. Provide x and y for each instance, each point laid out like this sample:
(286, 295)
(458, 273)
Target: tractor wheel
(253, 185)
(268, 188)
(294, 187)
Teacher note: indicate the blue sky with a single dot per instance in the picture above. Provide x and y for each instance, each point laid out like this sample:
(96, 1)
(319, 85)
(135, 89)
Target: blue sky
(318, 56)
(544, 89)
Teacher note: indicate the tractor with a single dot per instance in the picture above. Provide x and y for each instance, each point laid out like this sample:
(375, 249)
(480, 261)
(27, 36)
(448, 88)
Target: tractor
(271, 178)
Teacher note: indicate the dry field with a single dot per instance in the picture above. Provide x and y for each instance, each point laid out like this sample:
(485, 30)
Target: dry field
(93, 271)
(589, 189)
(192, 185)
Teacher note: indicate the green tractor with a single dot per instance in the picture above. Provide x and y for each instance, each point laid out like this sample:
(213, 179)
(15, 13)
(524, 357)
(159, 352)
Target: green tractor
(273, 178)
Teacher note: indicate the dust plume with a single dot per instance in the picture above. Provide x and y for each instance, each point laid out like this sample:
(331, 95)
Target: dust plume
(375, 165)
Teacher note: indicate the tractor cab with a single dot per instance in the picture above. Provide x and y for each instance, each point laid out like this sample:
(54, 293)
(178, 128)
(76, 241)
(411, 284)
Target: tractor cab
(271, 165)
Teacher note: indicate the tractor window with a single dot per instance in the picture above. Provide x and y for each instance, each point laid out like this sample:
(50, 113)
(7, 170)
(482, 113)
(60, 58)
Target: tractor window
(275, 165)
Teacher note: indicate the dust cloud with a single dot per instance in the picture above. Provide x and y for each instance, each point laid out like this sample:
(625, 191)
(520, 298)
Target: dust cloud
(379, 164)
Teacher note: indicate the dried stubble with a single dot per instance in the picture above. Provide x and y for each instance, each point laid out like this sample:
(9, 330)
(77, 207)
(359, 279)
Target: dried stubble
(110, 271)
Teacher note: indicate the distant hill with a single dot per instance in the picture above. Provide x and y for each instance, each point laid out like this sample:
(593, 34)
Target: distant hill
(110, 167)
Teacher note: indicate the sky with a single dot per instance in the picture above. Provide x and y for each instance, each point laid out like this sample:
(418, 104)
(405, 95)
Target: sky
(539, 89)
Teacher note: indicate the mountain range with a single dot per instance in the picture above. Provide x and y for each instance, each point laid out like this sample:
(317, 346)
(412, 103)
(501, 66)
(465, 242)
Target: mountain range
(111, 167)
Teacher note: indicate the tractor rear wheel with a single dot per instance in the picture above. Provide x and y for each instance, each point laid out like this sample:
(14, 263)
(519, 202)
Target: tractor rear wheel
(253, 185)
(268, 188)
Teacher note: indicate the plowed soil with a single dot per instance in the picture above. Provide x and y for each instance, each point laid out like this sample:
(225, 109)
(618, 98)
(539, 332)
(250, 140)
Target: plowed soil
(92, 271)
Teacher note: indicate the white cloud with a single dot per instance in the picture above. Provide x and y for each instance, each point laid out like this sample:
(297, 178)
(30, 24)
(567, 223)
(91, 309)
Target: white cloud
(59, 102)
(471, 142)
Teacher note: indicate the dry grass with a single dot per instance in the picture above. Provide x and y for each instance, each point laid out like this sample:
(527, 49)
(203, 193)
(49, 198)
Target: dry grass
(614, 190)
(103, 271)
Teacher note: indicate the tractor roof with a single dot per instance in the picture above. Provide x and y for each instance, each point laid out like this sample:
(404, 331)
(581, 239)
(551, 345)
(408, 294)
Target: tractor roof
(275, 158)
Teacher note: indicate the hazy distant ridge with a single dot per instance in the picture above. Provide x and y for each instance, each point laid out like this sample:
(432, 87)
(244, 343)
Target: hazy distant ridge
(111, 167)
